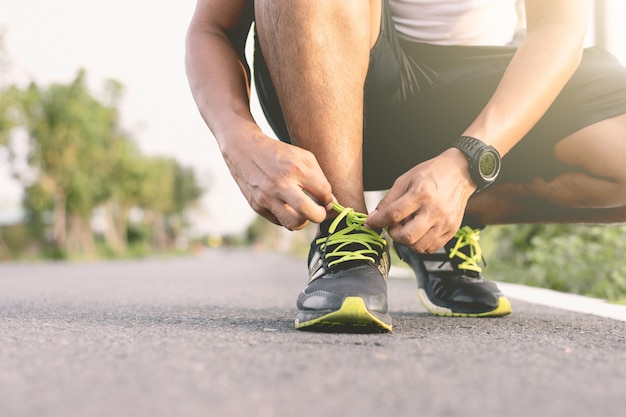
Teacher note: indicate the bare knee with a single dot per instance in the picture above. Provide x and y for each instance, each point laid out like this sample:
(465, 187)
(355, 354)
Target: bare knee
(600, 150)
(308, 20)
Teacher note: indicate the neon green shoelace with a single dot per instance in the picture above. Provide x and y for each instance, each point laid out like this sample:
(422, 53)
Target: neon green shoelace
(468, 237)
(354, 232)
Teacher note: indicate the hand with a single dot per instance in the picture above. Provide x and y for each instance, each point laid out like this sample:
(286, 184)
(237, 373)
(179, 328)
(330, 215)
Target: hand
(281, 182)
(425, 206)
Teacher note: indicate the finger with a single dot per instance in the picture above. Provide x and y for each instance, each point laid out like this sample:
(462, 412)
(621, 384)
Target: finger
(269, 216)
(424, 235)
(288, 217)
(393, 209)
(312, 179)
(317, 187)
(304, 205)
(329, 206)
(411, 232)
(431, 241)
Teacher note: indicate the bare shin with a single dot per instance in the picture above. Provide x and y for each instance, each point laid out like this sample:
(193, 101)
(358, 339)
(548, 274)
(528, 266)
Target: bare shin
(317, 53)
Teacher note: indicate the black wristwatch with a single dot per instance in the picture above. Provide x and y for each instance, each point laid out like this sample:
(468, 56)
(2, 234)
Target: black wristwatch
(484, 160)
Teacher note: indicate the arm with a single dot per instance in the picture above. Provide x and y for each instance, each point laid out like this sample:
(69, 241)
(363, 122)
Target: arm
(274, 177)
(425, 206)
(216, 68)
(544, 62)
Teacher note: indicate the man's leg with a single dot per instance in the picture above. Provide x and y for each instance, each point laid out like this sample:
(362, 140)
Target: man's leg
(318, 56)
(593, 192)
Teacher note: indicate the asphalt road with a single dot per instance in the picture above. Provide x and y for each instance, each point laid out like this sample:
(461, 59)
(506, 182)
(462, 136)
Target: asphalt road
(213, 335)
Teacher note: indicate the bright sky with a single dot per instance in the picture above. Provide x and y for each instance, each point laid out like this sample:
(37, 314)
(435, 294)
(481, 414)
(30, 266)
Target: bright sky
(140, 43)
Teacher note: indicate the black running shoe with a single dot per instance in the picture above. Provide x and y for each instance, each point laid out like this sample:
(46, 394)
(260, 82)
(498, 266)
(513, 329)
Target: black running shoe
(348, 269)
(449, 281)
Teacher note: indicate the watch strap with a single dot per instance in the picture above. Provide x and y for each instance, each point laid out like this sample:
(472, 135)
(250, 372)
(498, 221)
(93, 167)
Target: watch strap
(472, 148)
(469, 146)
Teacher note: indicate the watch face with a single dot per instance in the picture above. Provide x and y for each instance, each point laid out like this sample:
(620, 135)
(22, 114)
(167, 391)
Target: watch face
(488, 165)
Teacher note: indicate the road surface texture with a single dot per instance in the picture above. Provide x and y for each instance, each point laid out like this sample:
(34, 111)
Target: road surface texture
(213, 335)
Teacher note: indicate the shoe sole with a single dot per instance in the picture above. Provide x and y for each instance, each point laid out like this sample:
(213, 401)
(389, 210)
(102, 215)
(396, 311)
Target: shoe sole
(352, 317)
(504, 308)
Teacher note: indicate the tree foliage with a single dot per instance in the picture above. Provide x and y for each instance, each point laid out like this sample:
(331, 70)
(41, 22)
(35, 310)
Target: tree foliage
(82, 162)
(6, 123)
(583, 259)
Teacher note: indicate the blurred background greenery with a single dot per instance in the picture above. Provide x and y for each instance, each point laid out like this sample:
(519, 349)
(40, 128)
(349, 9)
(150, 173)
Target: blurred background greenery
(581, 259)
(88, 190)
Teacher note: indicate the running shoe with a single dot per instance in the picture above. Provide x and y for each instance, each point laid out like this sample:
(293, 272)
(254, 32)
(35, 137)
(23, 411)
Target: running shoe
(449, 281)
(347, 287)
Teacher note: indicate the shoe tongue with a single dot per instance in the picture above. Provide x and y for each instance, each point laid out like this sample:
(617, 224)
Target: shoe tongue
(325, 225)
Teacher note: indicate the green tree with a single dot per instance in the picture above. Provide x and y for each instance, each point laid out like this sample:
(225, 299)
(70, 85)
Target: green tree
(125, 180)
(165, 195)
(7, 97)
(6, 124)
(73, 138)
(81, 161)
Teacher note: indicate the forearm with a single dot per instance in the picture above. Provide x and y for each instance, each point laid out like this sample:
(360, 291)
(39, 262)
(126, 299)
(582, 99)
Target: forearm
(219, 84)
(283, 183)
(544, 63)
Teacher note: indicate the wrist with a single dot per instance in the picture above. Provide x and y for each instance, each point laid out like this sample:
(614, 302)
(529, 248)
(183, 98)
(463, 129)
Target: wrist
(459, 163)
(483, 160)
(239, 137)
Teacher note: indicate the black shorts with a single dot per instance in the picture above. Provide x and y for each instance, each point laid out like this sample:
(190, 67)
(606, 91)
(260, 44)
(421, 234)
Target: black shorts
(419, 98)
